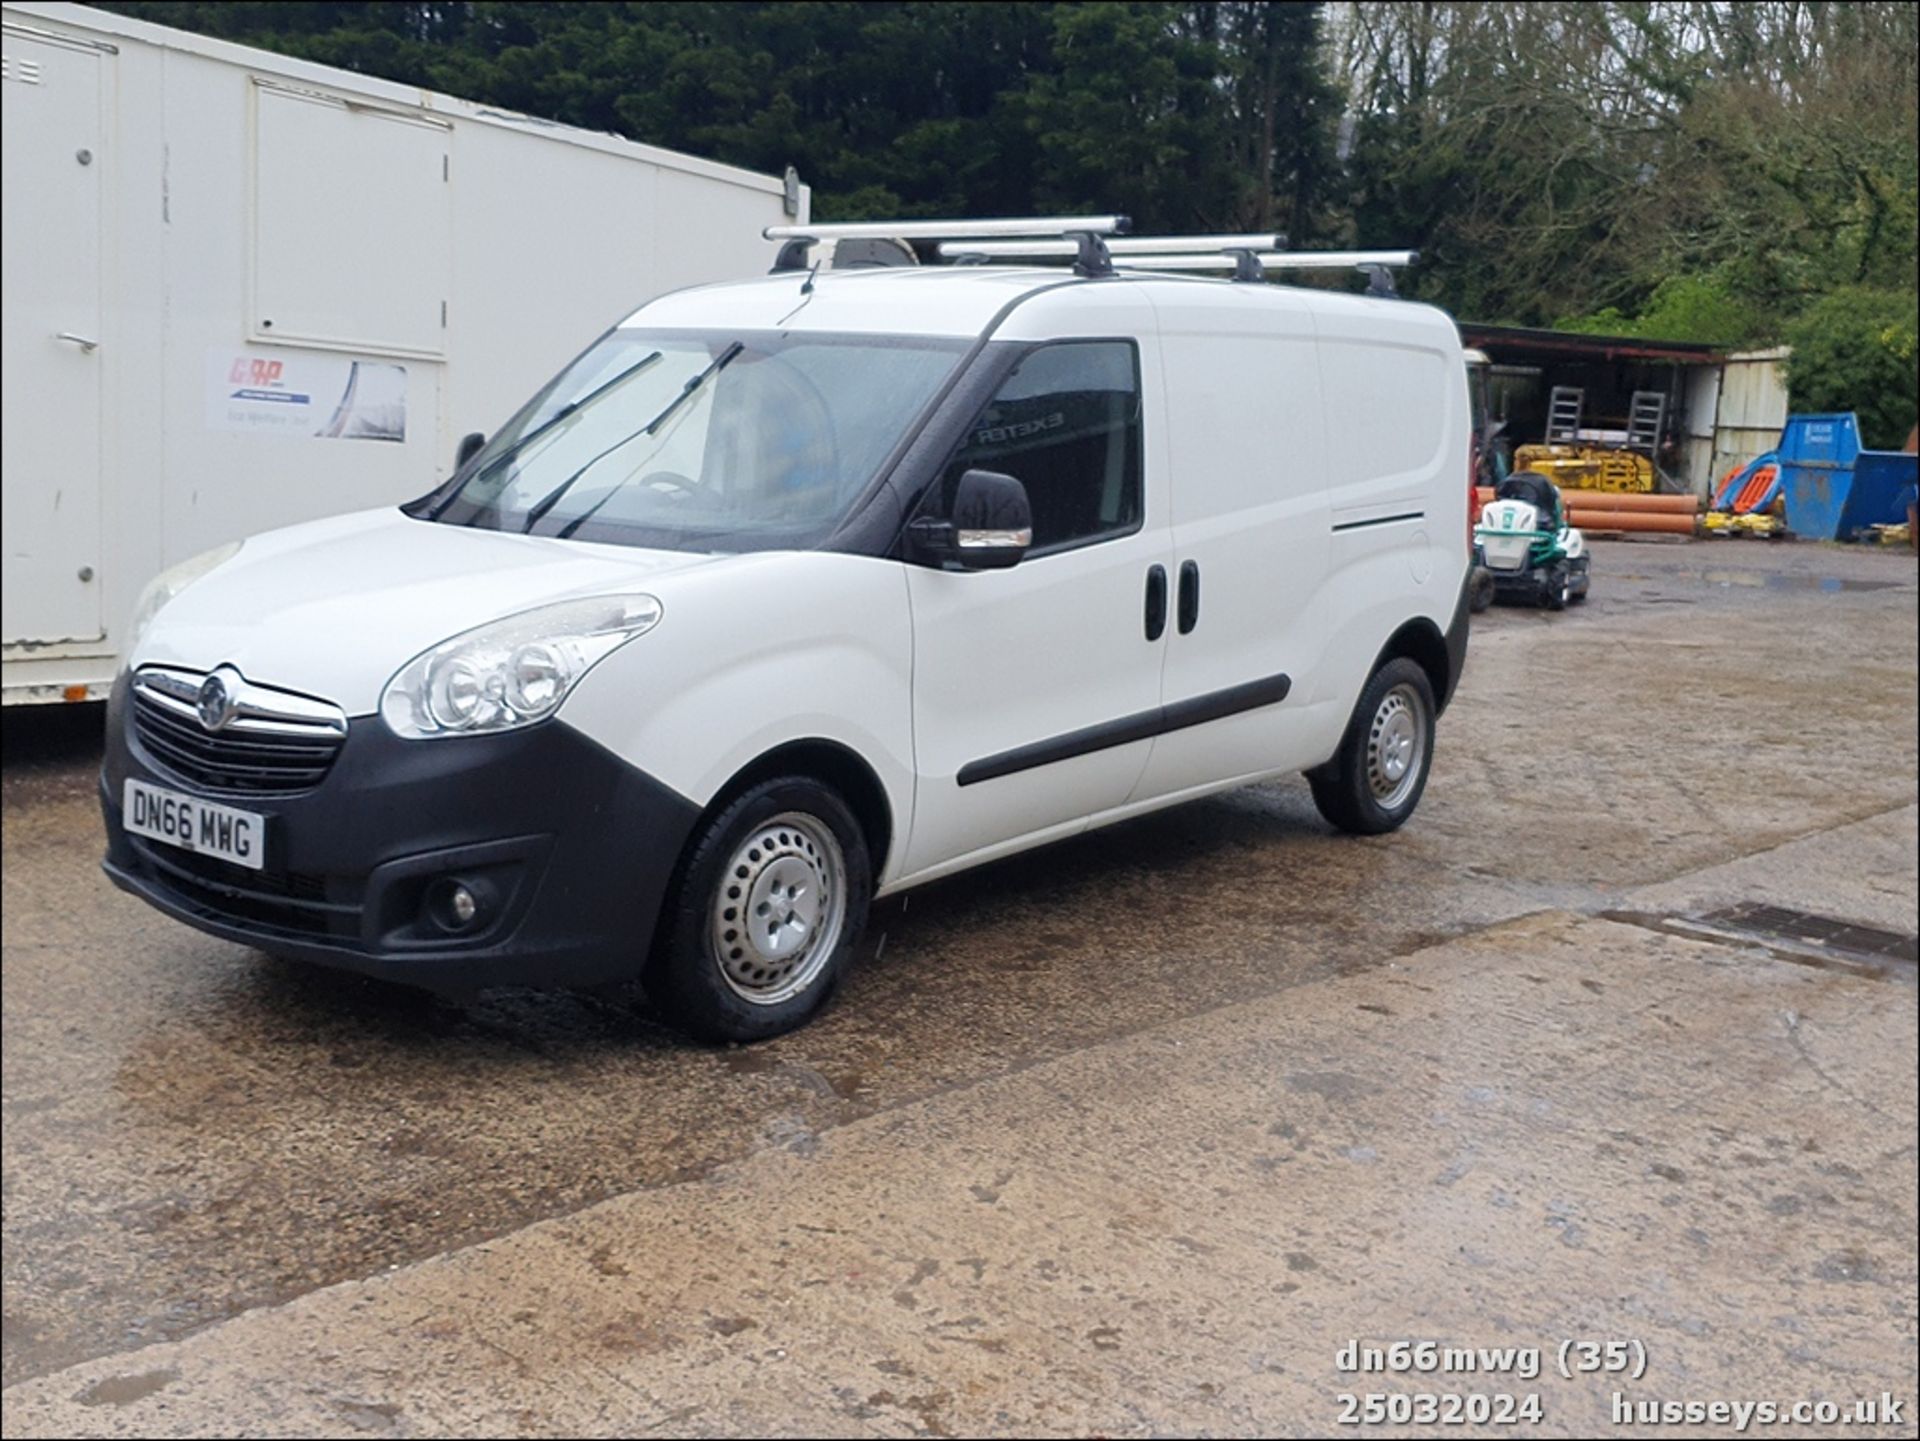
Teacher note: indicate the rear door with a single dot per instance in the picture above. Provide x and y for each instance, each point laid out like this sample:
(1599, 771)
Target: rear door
(1035, 688)
(50, 274)
(1249, 499)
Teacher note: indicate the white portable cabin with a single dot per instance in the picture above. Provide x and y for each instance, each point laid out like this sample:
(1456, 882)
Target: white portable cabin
(242, 290)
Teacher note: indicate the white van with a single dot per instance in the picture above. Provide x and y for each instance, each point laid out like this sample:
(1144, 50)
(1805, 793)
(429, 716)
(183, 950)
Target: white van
(798, 591)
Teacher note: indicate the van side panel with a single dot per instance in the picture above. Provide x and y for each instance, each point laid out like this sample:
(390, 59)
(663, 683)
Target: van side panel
(1396, 405)
(1248, 446)
(757, 653)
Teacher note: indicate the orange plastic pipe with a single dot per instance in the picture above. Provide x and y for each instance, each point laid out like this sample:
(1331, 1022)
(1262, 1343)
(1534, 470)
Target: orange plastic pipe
(1637, 520)
(1614, 500)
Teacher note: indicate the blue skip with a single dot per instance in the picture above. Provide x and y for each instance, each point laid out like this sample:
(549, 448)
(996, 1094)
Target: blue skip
(1835, 489)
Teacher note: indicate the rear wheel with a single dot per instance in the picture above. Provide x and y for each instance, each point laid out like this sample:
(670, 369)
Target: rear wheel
(766, 909)
(1376, 778)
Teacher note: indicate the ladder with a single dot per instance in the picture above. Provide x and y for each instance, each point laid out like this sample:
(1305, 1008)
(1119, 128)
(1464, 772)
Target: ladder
(1564, 405)
(1646, 420)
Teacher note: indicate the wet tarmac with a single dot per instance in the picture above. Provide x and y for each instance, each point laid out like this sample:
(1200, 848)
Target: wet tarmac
(199, 1142)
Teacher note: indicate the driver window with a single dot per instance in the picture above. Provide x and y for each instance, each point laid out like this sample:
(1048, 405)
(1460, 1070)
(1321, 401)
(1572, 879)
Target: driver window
(1065, 424)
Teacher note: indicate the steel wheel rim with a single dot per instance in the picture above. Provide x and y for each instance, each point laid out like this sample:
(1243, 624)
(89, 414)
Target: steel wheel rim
(779, 908)
(1396, 746)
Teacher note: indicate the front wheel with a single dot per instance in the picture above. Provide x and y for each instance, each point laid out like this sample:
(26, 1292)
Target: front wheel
(767, 906)
(1479, 589)
(1559, 586)
(1375, 780)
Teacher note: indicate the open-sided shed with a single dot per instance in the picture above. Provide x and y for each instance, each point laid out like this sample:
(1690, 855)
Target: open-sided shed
(1720, 409)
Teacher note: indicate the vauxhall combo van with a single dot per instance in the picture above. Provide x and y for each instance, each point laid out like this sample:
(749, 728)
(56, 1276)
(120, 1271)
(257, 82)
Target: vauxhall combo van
(798, 591)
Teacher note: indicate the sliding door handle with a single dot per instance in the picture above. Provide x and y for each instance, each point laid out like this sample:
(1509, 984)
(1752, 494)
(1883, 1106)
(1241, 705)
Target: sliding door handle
(1189, 595)
(1156, 602)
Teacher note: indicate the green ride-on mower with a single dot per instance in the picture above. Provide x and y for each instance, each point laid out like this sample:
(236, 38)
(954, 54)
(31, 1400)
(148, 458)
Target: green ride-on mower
(1525, 543)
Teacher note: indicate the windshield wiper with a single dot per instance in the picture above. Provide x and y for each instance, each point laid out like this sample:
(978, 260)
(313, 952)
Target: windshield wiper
(572, 407)
(553, 497)
(718, 364)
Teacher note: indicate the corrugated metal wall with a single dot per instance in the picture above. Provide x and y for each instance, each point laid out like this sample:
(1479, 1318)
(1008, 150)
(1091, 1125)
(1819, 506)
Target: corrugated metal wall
(1752, 409)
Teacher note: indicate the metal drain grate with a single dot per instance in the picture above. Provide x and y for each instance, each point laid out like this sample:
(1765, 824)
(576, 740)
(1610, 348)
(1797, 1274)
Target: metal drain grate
(1778, 924)
(1797, 936)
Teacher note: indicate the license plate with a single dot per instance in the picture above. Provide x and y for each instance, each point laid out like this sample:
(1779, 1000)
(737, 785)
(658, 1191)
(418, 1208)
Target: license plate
(196, 825)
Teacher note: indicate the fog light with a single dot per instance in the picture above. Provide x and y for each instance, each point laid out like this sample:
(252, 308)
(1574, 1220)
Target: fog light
(454, 905)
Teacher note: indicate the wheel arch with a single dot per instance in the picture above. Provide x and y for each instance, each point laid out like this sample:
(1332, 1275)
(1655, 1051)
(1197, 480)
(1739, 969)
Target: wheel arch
(832, 764)
(1420, 641)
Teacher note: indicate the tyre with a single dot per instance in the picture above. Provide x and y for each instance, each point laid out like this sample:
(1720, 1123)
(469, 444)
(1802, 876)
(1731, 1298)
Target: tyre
(764, 910)
(1479, 589)
(1559, 586)
(1582, 583)
(1375, 780)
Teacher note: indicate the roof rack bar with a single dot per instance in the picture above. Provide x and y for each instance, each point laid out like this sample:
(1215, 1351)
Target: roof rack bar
(1046, 225)
(1339, 259)
(1281, 260)
(1125, 245)
(1221, 260)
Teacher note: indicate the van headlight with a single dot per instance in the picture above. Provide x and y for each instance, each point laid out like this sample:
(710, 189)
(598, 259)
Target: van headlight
(169, 583)
(510, 672)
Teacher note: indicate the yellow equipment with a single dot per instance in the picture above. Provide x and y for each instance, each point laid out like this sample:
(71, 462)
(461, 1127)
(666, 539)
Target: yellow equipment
(1767, 523)
(1588, 467)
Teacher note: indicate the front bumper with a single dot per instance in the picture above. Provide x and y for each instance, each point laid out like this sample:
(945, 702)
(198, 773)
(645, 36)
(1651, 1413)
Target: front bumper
(571, 847)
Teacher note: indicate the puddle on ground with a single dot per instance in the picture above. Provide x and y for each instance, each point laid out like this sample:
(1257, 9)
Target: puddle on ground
(125, 1390)
(1754, 580)
(1770, 580)
(744, 1062)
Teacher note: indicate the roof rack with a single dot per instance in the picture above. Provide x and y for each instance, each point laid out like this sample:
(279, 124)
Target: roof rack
(1093, 241)
(1248, 256)
(1081, 236)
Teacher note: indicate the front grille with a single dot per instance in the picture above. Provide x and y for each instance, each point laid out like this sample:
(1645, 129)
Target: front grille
(288, 885)
(280, 756)
(287, 902)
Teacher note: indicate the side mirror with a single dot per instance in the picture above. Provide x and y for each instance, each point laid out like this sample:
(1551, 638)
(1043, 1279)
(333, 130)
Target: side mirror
(470, 444)
(992, 521)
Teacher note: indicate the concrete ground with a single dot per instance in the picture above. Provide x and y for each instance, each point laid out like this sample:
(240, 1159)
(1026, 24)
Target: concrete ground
(1129, 1136)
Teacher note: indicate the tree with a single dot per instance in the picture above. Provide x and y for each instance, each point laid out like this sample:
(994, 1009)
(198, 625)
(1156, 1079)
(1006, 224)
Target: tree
(1560, 158)
(1855, 350)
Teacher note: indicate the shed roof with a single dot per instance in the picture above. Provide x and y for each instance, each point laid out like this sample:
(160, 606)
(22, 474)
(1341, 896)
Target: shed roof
(1507, 343)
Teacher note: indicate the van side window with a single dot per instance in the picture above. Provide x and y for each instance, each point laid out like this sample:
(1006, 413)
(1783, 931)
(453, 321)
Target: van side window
(1065, 424)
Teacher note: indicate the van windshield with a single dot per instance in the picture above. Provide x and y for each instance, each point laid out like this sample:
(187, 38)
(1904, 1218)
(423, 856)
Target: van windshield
(677, 440)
